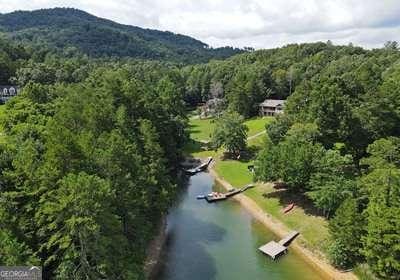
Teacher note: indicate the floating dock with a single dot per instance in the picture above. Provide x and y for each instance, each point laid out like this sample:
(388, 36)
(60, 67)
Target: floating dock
(216, 198)
(224, 196)
(275, 249)
(199, 168)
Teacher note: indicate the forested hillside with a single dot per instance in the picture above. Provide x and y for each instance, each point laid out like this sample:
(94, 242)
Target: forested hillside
(88, 162)
(90, 148)
(71, 31)
(337, 142)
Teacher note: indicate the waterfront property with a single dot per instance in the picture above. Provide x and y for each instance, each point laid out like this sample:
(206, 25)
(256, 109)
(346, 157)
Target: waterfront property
(217, 241)
(271, 107)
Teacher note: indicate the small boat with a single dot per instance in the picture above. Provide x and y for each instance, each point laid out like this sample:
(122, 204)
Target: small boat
(288, 208)
(199, 168)
(201, 197)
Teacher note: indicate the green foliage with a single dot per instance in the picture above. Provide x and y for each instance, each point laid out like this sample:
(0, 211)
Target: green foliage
(346, 229)
(277, 129)
(87, 170)
(245, 91)
(383, 153)
(71, 32)
(381, 243)
(293, 160)
(332, 182)
(230, 132)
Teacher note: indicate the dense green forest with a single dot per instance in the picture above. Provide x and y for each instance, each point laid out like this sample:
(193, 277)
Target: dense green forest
(90, 147)
(337, 143)
(87, 163)
(70, 32)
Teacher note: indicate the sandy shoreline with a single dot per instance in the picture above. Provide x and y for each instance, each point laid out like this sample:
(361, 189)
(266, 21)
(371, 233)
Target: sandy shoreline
(278, 228)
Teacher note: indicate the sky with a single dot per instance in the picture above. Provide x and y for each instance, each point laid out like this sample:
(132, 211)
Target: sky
(248, 23)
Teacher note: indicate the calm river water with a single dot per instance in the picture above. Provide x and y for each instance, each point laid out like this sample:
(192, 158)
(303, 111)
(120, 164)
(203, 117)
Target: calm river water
(219, 241)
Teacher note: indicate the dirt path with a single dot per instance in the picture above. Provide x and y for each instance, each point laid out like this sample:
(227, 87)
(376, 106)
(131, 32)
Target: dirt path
(256, 135)
(281, 230)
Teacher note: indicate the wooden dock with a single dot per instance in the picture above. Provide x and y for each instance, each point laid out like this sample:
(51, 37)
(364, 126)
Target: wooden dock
(216, 198)
(288, 238)
(230, 193)
(276, 249)
(273, 249)
(199, 168)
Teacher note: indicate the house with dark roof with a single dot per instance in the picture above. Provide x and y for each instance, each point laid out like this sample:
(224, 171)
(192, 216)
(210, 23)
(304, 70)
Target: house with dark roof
(7, 92)
(271, 107)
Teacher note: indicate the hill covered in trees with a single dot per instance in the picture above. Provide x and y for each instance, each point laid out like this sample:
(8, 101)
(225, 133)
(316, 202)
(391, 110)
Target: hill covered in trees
(337, 142)
(89, 153)
(69, 31)
(103, 139)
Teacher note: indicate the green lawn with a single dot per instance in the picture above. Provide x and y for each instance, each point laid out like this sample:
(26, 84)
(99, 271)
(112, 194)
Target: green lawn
(201, 129)
(257, 125)
(313, 228)
(235, 172)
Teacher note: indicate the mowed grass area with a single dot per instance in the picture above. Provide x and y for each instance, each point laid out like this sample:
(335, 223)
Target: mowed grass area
(313, 228)
(235, 172)
(257, 125)
(303, 218)
(201, 129)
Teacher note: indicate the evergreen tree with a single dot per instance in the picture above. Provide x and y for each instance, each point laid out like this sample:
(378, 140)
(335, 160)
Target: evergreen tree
(346, 229)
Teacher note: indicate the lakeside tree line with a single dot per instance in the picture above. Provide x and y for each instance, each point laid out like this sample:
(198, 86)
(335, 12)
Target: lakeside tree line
(88, 160)
(338, 142)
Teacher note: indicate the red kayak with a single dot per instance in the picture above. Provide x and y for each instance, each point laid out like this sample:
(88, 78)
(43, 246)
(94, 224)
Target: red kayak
(288, 208)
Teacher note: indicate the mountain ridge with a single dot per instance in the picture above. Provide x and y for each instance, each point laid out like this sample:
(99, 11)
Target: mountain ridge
(61, 28)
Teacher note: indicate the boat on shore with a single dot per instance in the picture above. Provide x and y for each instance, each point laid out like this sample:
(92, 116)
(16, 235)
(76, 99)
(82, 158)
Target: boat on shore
(288, 208)
(199, 168)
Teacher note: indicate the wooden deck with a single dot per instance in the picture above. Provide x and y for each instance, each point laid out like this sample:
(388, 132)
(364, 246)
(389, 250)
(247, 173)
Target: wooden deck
(273, 249)
(276, 249)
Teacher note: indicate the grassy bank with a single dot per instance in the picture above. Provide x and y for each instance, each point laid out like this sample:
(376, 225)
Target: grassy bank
(303, 217)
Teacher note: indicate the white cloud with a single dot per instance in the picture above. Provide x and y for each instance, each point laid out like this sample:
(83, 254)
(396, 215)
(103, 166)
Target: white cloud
(257, 23)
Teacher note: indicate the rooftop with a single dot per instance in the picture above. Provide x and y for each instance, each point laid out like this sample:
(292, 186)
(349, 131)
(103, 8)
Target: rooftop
(273, 102)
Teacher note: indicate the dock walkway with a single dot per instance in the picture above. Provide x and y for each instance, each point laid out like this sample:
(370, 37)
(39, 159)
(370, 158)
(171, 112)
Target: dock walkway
(288, 238)
(230, 193)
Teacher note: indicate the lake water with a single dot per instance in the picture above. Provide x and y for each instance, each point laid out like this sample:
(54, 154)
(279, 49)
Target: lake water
(220, 240)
